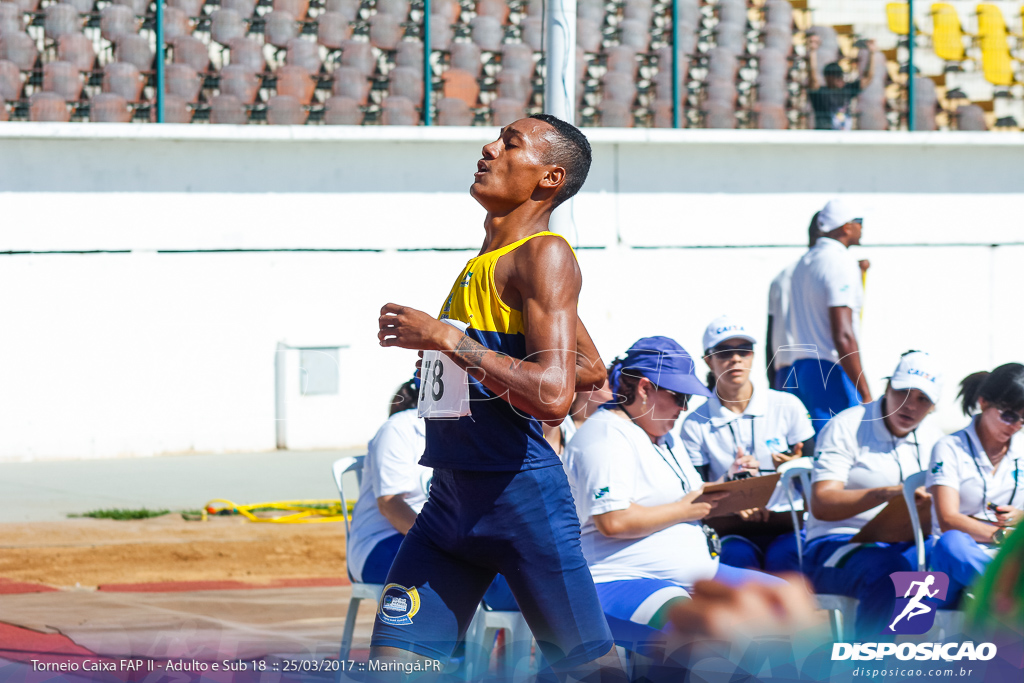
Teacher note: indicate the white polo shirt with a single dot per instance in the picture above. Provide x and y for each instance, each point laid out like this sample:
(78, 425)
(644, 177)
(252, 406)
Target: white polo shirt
(856, 448)
(611, 464)
(959, 462)
(778, 309)
(826, 277)
(391, 468)
(771, 423)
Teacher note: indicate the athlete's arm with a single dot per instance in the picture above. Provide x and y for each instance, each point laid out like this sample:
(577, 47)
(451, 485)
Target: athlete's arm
(397, 512)
(640, 521)
(547, 280)
(831, 502)
(841, 320)
(947, 508)
(590, 370)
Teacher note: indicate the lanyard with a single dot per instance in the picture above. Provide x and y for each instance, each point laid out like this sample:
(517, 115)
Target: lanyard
(984, 484)
(678, 469)
(736, 441)
(896, 454)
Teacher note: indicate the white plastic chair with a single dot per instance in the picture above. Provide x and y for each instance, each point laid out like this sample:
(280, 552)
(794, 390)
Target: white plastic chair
(836, 605)
(360, 591)
(948, 623)
(480, 642)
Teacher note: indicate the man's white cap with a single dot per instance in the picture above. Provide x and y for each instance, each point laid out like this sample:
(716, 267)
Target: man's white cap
(725, 327)
(918, 370)
(836, 214)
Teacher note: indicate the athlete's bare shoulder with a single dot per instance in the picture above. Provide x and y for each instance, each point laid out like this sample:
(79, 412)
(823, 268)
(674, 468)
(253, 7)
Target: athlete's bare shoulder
(543, 267)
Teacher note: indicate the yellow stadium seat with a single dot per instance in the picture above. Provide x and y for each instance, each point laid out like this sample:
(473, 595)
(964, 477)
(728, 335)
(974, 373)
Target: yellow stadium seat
(990, 21)
(947, 36)
(996, 62)
(897, 14)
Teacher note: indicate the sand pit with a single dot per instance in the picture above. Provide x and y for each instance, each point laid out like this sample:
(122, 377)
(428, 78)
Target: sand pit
(93, 552)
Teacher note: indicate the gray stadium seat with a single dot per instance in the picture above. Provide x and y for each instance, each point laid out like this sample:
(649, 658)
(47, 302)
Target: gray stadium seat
(351, 84)
(192, 51)
(590, 10)
(719, 89)
(732, 13)
(410, 53)
(83, 6)
(399, 111)
(635, 34)
(117, 20)
(239, 81)
(732, 38)
(452, 111)
(772, 62)
(279, 27)
(304, 53)
(622, 58)
(385, 31)
(532, 32)
(925, 103)
(448, 10)
(466, 56)
(719, 114)
(662, 111)
(778, 38)
(970, 117)
(333, 29)
(518, 57)
(871, 116)
(618, 87)
(493, 8)
(3, 110)
(771, 116)
(192, 8)
(534, 8)
(10, 81)
(296, 8)
(123, 79)
(284, 110)
(138, 7)
(244, 8)
(78, 50)
(20, 49)
(405, 81)
(61, 19)
(176, 110)
(226, 25)
(27, 5)
(772, 92)
(396, 8)
(441, 33)
(487, 33)
(358, 54)
(176, 23)
(248, 53)
(722, 63)
(515, 86)
(588, 35)
(11, 18)
(64, 79)
(182, 80)
(227, 109)
(347, 8)
(616, 115)
(505, 111)
(106, 107)
(779, 13)
(342, 111)
(296, 82)
(638, 11)
(48, 106)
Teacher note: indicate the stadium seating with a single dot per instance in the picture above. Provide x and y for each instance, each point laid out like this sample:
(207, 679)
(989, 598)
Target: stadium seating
(367, 50)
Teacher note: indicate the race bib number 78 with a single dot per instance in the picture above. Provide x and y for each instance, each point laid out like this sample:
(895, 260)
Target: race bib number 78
(444, 386)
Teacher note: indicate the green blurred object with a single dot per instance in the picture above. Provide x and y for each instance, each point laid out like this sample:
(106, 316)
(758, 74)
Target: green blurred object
(999, 593)
(122, 513)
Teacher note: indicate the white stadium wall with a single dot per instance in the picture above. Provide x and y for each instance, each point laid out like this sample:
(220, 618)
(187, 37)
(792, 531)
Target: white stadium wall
(150, 273)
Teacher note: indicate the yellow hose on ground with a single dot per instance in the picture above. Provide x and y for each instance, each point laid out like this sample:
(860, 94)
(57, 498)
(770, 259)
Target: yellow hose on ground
(303, 511)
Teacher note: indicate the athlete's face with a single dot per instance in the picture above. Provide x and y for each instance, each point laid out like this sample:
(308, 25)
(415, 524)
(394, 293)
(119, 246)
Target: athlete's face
(905, 409)
(731, 361)
(512, 170)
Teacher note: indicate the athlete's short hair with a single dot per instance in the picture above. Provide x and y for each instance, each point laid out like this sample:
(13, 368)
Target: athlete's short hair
(570, 149)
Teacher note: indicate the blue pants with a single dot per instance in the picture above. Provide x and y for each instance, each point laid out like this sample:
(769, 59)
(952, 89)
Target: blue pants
(378, 563)
(773, 554)
(823, 386)
(474, 526)
(962, 559)
(861, 573)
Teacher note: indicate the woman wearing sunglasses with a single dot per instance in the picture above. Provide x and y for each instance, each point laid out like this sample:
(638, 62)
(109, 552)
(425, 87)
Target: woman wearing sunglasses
(744, 431)
(636, 495)
(862, 457)
(976, 477)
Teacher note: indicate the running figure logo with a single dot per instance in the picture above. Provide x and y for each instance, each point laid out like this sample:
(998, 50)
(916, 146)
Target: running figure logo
(912, 615)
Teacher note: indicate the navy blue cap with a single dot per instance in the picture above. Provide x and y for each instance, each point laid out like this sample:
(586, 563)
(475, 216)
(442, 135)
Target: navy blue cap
(664, 362)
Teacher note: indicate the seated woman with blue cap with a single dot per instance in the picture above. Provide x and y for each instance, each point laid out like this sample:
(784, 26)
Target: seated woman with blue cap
(636, 498)
(976, 478)
(742, 431)
(862, 457)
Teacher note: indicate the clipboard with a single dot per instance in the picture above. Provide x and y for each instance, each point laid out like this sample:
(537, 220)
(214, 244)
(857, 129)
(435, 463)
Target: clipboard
(752, 492)
(893, 525)
(731, 525)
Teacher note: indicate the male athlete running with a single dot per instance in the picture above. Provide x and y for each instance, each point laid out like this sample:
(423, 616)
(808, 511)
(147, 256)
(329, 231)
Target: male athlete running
(499, 499)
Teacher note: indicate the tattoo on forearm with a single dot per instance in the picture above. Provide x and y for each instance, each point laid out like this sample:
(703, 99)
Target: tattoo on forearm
(469, 353)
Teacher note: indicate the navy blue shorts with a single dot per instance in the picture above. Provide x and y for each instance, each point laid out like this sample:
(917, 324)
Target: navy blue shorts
(474, 526)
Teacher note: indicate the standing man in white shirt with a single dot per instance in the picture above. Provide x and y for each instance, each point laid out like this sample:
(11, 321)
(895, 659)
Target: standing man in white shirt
(824, 319)
(778, 339)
